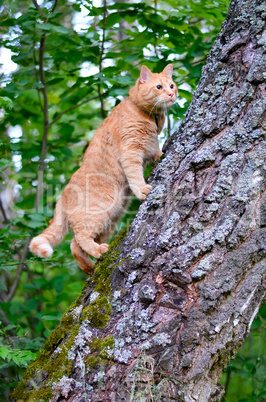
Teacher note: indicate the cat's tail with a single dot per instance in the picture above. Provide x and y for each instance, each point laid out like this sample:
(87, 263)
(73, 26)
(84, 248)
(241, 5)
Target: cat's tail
(82, 258)
(43, 244)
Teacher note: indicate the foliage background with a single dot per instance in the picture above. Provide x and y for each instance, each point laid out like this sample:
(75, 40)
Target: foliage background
(75, 61)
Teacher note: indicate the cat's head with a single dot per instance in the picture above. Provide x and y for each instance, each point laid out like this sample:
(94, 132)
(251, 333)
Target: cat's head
(154, 92)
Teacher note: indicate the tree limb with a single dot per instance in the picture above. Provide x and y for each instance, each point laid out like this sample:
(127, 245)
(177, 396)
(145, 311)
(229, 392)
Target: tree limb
(54, 6)
(101, 57)
(71, 108)
(39, 9)
(2, 209)
(45, 123)
(7, 297)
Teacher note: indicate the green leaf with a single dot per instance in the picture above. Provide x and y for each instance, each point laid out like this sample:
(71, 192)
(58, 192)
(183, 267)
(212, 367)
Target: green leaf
(50, 27)
(182, 93)
(66, 151)
(61, 29)
(118, 92)
(55, 81)
(112, 19)
(8, 268)
(4, 351)
(29, 286)
(132, 57)
(36, 216)
(3, 285)
(67, 130)
(35, 224)
(8, 22)
(45, 26)
(51, 317)
(124, 80)
(10, 326)
(6, 102)
(27, 24)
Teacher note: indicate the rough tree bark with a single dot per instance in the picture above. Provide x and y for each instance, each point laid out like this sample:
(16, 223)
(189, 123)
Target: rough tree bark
(169, 306)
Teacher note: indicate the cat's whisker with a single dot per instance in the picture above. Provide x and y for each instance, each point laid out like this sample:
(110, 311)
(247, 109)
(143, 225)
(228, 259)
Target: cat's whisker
(155, 105)
(151, 110)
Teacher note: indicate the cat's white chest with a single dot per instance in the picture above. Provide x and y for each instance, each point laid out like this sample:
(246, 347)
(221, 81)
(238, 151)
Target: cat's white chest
(151, 148)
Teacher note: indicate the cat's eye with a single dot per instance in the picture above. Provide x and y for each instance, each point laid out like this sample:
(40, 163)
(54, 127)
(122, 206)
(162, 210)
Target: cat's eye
(172, 86)
(159, 87)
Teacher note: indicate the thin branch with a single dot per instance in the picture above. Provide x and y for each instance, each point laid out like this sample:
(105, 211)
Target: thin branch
(42, 77)
(71, 108)
(100, 96)
(54, 6)
(156, 34)
(44, 110)
(21, 266)
(4, 318)
(45, 123)
(39, 8)
(35, 70)
(228, 377)
(3, 211)
(101, 58)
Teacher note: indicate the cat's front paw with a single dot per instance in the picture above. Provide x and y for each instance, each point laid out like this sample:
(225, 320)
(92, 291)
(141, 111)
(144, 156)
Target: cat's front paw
(158, 155)
(99, 249)
(143, 192)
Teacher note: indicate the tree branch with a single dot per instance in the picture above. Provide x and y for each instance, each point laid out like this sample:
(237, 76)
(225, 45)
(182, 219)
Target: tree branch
(101, 57)
(21, 266)
(35, 70)
(45, 123)
(4, 318)
(3, 211)
(155, 34)
(71, 108)
(54, 6)
(39, 9)
(10, 294)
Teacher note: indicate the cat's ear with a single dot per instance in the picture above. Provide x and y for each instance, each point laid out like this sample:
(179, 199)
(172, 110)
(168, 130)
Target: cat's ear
(145, 74)
(168, 70)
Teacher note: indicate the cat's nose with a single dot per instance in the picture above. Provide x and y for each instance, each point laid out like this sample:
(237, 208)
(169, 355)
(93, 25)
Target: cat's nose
(171, 94)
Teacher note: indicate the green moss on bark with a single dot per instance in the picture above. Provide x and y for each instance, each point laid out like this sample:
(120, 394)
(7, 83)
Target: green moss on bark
(50, 366)
(98, 311)
(101, 350)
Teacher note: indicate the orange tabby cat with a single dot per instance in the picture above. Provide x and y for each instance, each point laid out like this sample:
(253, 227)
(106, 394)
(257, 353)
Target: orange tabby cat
(97, 193)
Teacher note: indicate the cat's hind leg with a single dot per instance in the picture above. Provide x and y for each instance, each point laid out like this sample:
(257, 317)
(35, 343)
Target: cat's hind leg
(83, 260)
(90, 246)
(86, 235)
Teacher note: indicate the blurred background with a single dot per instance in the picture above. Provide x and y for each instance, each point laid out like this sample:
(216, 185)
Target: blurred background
(63, 67)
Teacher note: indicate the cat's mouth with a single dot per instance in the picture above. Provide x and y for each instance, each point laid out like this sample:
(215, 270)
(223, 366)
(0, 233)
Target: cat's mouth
(169, 103)
(164, 104)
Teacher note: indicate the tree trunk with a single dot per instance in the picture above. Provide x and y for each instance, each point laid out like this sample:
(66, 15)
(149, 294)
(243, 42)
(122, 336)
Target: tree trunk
(168, 307)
